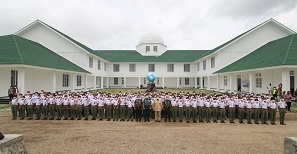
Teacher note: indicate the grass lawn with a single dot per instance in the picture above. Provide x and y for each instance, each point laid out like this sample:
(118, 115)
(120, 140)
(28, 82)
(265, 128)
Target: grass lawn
(4, 106)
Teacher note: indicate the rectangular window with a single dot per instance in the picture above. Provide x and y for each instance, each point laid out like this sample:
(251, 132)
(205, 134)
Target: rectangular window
(198, 66)
(258, 80)
(78, 80)
(155, 49)
(212, 62)
(186, 67)
(291, 73)
(104, 66)
(180, 80)
(90, 62)
(99, 65)
(204, 65)
(14, 78)
(123, 81)
(151, 67)
(198, 81)
(132, 67)
(115, 81)
(65, 80)
(170, 67)
(225, 81)
(144, 81)
(116, 67)
(187, 81)
(147, 49)
(158, 81)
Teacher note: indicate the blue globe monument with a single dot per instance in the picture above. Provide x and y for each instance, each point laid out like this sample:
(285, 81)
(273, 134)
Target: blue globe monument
(151, 77)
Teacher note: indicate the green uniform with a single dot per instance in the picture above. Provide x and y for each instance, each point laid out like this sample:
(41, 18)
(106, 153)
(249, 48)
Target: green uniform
(59, 112)
(94, 112)
(52, 111)
(272, 116)
(256, 115)
(30, 111)
(201, 113)
(38, 113)
(180, 113)
(72, 112)
(14, 111)
(241, 115)
(174, 113)
(22, 111)
(222, 114)
(249, 115)
(115, 112)
(264, 116)
(78, 111)
(66, 113)
(44, 111)
(215, 114)
(231, 114)
(122, 112)
(188, 114)
(108, 110)
(282, 115)
(207, 114)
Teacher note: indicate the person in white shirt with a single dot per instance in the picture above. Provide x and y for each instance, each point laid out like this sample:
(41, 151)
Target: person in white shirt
(130, 107)
(71, 103)
(272, 111)
(65, 107)
(201, 109)
(264, 114)
(207, 105)
(29, 103)
(14, 106)
(241, 106)
(78, 103)
(248, 106)
(214, 105)
(222, 105)
(180, 109)
(21, 102)
(37, 106)
(93, 104)
(231, 105)
(122, 102)
(115, 103)
(51, 103)
(58, 101)
(194, 105)
(187, 104)
(282, 111)
(256, 106)
(44, 106)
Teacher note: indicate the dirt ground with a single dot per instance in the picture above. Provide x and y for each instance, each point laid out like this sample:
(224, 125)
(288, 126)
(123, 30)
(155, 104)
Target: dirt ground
(135, 137)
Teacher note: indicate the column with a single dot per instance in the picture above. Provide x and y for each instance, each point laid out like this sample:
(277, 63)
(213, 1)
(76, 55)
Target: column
(231, 83)
(125, 83)
(251, 82)
(139, 82)
(101, 82)
(54, 82)
(107, 82)
(163, 82)
(86, 82)
(73, 82)
(21, 81)
(177, 82)
(285, 80)
(208, 82)
(95, 85)
(195, 82)
(218, 82)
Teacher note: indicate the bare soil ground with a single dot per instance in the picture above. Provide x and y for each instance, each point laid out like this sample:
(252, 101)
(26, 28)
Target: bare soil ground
(140, 137)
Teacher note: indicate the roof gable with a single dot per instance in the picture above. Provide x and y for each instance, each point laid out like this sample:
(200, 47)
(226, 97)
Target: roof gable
(246, 33)
(275, 53)
(17, 50)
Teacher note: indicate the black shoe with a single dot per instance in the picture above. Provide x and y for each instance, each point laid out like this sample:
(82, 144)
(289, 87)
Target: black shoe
(131, 120)
(148, 120)
(72, 119)
(86, 119)
(113, 119)
(156, 121)
(78, 119)
(136, 120)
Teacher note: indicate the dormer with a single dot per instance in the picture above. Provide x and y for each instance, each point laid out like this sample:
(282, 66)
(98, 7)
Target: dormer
(151, 44)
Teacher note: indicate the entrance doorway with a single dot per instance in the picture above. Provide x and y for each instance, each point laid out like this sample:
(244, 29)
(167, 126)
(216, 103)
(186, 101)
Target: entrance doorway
(292, 82)
(238, 82)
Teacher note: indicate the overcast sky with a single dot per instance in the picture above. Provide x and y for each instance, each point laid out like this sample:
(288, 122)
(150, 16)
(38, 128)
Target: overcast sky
(119, 24)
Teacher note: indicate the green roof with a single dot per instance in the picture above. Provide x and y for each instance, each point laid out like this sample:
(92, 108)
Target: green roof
(275, 53)
(134, 56)
(17, 50)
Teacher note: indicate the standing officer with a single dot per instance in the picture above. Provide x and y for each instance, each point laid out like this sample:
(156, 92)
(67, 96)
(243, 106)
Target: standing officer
(256, 106)
(282, 111)
(37, 107)
(272, 110)
(167, 108)
(122, 108)
(264, 114)
(65, 107)
(214, 105)
(29, 103)
(59, 101)
(222, 105)
(231, 105)
(78, 103)
(130, 105)
(108, 103)
(86, 104)
(14, 107)
(51, 102)
(147, 108)
(201, 110)
(116, 108)
(100, 103)
(157, 107)
(187, 104)
(248, 106)
(44, 106)
(241, 106)
(72, 103)
(21, 102)
(138, 106)
(194, 109)
(180, 109)
(207, 105)
(174, 109)
(93, 103)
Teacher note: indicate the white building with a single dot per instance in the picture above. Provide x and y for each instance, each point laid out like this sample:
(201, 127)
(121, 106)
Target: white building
(39, 57)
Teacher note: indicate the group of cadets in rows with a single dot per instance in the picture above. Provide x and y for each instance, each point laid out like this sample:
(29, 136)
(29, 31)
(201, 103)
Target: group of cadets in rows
(126, 106)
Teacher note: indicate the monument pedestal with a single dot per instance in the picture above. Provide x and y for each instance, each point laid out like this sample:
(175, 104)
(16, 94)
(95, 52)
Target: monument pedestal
(13, 144)
(290, 145)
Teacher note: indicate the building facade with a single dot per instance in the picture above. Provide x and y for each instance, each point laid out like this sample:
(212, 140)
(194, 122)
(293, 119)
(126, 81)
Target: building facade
(223, 68)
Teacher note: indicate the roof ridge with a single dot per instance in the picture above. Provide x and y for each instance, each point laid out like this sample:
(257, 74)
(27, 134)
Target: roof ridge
(288, 50)
(18, 49)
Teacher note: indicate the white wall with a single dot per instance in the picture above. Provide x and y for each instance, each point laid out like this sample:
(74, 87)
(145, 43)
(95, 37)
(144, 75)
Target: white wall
(4, 80)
